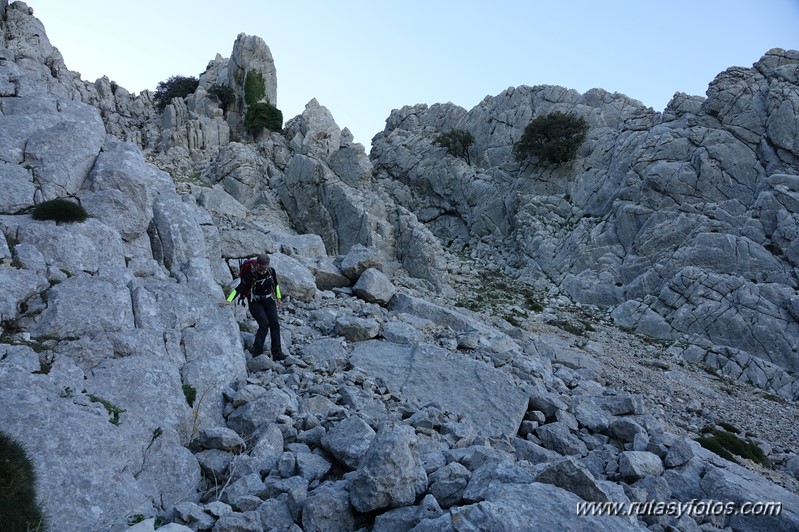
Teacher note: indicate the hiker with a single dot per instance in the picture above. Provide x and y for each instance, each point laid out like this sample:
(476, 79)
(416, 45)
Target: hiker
(259, 286)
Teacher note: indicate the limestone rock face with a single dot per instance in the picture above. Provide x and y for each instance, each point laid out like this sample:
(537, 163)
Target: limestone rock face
(315, 131)
(683, 220)
(124, 374)
(52, 160)
(251, 53)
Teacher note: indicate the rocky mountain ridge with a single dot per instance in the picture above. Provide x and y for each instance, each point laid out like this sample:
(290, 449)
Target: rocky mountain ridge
(398, 408)
(680, 222)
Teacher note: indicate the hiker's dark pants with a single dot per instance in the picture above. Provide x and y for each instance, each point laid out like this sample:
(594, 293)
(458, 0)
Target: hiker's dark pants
(265, 313)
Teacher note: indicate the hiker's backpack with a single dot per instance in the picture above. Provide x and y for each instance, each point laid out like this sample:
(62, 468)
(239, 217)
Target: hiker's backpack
(245, 268)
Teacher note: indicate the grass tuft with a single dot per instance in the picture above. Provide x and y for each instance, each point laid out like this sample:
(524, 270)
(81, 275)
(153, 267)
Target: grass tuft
(191, 394)
(726, 444)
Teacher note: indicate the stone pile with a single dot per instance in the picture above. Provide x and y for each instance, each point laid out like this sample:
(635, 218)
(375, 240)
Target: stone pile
(370, 434)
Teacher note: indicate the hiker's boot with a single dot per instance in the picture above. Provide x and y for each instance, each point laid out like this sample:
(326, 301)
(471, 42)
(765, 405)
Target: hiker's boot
(277, 357)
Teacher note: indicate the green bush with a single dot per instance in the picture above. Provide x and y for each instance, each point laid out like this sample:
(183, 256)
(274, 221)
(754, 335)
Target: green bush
(190, 392)
(19, 510)
(457, 142)
(113, 410)
(60, 210)
(10, 327)
(554, 137)
(263, 115)
(254, 87)
(174, 87)
(224, 94)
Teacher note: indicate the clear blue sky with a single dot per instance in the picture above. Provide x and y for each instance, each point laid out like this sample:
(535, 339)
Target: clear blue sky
(363, 58)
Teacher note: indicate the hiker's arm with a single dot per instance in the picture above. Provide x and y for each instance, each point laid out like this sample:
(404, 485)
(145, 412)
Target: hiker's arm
(278, 296)
(247, 279)
(233, 295)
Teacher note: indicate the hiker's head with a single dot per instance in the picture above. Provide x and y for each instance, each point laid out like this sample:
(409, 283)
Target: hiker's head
(262, 262)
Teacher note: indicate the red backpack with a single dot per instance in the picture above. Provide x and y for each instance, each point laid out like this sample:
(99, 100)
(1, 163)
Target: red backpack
(244, 268)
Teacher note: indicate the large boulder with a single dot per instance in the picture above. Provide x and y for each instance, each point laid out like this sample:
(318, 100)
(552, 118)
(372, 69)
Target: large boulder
(89, 246)
(725, 481)
(83, 304)
(374, 286)
(349, 440)
(199, 336)
(57, 164)
(295, 279)
(430, 374)
(121, 187)
(390, 473)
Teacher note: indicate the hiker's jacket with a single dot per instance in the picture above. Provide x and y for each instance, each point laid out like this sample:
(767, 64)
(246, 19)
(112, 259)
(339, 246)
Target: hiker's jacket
(262, 285)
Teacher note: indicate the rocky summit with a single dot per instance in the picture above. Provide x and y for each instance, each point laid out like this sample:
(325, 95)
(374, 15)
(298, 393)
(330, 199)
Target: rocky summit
(474, 343)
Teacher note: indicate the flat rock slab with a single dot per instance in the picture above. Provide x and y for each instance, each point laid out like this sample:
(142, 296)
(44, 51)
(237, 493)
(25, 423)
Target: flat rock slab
(486, 397)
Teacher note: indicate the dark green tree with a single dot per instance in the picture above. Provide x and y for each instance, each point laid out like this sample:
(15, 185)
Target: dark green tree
(224, 94)
(457, 142)
(174, 87)
(262, 115)
(554, 137)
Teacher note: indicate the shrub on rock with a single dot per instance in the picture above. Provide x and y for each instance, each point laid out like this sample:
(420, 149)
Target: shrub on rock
(554, 137)
(457, 143)
(224, 94)
(174, 87)
(18, 504)
(60, 210)
(263, 115)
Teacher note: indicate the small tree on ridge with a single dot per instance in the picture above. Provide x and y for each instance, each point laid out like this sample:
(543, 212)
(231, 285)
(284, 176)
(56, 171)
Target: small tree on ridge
(457, 142)
(174, 87)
